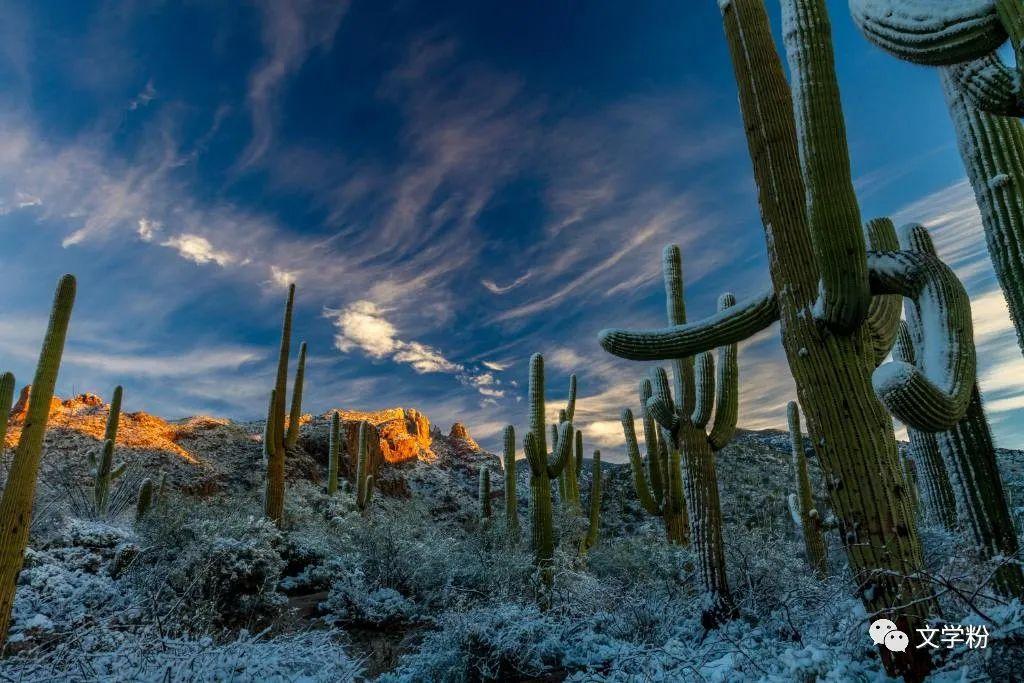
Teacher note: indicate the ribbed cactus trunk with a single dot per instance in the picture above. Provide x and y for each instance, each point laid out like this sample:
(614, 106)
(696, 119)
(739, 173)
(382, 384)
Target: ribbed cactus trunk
(334, 446)
(511, 497)
(485, 495)
(594, 524)
(144, 500)
(19, 492)
(992, 149)
(295, 414)
(275, 450)
(364, 480)
(910, 474)
(810, 520)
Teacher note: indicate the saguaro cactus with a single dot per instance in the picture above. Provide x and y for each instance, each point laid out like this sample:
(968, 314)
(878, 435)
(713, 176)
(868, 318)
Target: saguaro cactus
(543, 468)
(145, 499)
(295, 415)
(594, 525)
(19, 492)
(511, 499)
(334, 445)
(568, 481)
(939, 503)
(982, 94)
(806, 515)
(102, 468)
(364, 480)
(800, 160)
(485, 495)
(970, 458)
(275, 437)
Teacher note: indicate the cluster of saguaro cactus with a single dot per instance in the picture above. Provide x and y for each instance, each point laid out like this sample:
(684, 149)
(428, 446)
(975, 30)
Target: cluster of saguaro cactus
(334, 453)
(544, 467)
(594, 520)
(805, 514)
(509, 472)
(485, 495)
(823, 280)
(982, 94)
(19, 491)
(277, 441)
(969, 457)
(683, 422)
(102, 468)
(364, 480)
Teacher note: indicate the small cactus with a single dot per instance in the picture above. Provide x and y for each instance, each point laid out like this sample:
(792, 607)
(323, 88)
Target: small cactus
(103, 470)
(485, 495)
(334, 454)
(801, 504)
(19, 492)
(145, 499)
(594, 526)
(511, 500)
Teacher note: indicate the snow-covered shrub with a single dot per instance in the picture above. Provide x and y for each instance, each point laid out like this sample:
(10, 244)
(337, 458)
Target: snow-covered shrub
(352, 601)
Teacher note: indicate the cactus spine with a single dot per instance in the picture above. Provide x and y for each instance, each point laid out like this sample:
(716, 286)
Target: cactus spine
(485, 495)
(543, 468)
(511, 499)
(806, 515)
(333, 454)
(364, 480)
(275, 437)
(970, 458)
(145, 499)
(834, 369)
(19, 492)
(594, 526)
(982, 94)
(939, 502)
(295, 415)
(103, 470)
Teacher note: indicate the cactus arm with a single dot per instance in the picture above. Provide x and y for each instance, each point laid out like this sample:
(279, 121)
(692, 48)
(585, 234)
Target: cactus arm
(672, 273)
(118, 471)
(563, 450)
(511, 500)
(989, 85)
(704, 381)
(6, 398)
(643, 492)
(570, 406)
(594, 526)
(295, 415)
(281, 384)
(114, 416)
(536, 398)
(923, 32)
(933, 394)
(273, 502)
(268, 430)
(664, 415)
(733, 325)
(833, 214)
(814, 543)
(794, 511)
(727, 401)
(534, 456)
(654, 468)
(144, 500)
(883, 320)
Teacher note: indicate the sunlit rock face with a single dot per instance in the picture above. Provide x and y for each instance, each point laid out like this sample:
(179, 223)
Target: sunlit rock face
(394, 436)
(459, 436)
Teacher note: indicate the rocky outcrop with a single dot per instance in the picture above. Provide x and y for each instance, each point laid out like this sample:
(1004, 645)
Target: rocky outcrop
(460, 436)
(396, 436)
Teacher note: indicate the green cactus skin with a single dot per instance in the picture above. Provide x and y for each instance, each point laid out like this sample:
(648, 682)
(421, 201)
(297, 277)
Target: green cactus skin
(594, 527)
(910, 474)
(295, 415)
(938, 501)
(485, 496)
(853, 435)
(884, 311)
(6, 399)
(268, 430)
(809, 520)
(511, 499)
(19, 492)
(543, 468)
(568, 480)
(364, 480)
(671, 507)
(970, 458)
(992, 149)
(334, 454)
(161, 491)
(275, 447)
(114, 416)
(145, 499)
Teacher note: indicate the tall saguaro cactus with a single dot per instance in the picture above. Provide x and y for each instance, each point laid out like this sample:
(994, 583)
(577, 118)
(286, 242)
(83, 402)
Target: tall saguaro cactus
(806, 514)
(798, 149)
(334, 446)
(275, 437)
(364, 480)
(511, 498)
(982, 95)
(295, 414)
(543, 468)
(970, 458)
(19, 492)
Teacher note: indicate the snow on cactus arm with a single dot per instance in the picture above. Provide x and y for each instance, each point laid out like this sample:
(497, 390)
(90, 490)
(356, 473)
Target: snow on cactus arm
(704, 378)
(989, 85)
(931, 395)
(932, 32)
(729, 326)
(727, 401)
(884, 312)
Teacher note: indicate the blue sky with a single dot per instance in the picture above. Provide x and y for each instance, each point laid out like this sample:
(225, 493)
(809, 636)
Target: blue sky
(452, 185)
